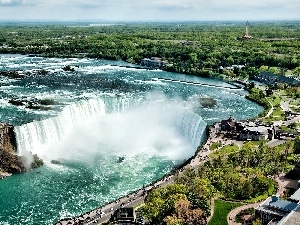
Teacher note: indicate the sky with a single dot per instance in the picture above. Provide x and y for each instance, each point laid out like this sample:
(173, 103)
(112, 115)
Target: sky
(154, 10)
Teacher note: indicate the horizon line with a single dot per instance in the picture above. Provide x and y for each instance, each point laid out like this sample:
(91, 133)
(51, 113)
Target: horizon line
(139, 21)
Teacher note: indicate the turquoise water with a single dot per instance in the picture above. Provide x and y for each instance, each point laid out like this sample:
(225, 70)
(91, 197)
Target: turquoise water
(104, 111)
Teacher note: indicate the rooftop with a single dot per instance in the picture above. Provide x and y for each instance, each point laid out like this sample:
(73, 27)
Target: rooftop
(259, 129)
(296, 196)
(275, 206)
(292, 218)
(283, 205)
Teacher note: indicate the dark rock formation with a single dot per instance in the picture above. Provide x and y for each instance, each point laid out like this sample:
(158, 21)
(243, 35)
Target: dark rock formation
(207, 102)
(9, 162)
(55, 161)
(37, 162)
(68, 68)
(16, 102)
(38, 104)
(12, 74)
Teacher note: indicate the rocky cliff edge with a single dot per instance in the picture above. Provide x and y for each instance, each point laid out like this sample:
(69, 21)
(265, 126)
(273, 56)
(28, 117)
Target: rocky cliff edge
(10, 162)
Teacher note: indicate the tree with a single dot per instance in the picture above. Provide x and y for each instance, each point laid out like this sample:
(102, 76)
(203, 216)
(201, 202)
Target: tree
(189, 216)
(173, 220)
(288, 146)
(193, 57)
(160, 203)
(296, 71)
(257, 222)
(297, 145)
(262, 94)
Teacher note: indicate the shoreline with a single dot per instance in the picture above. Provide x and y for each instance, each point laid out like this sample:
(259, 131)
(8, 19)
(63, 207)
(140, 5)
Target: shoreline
(201, 154)
(102, 213)
(96, 216)
(5, 174)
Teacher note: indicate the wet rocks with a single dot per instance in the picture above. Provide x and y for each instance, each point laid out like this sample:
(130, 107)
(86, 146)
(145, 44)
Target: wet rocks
(207, 102)
(39, 104)
(12, 74)
(10, 162)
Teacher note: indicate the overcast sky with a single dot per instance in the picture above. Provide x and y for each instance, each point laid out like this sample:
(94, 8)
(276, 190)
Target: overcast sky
(150, 10)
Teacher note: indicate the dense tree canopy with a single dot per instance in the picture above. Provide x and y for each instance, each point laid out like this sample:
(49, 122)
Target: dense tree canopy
(232, 173)
(188, 47)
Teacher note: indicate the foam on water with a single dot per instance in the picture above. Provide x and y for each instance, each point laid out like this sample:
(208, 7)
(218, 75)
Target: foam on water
(107, 112)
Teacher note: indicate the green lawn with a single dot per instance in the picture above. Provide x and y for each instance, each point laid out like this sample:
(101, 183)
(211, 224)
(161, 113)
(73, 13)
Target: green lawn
(215, 145)
(221, 211)
(275, 100)
(226, 150)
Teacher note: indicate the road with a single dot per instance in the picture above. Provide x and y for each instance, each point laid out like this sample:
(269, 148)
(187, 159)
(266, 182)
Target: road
(283, 183)
(104, 213)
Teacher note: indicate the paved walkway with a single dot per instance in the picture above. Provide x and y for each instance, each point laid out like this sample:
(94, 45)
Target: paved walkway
(270, 111)
(231, 216)
(103, 213)
(282, 184)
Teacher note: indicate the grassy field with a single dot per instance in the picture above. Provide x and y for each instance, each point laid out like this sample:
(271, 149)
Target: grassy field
(222, 208)
(226, 150)
(215, 145)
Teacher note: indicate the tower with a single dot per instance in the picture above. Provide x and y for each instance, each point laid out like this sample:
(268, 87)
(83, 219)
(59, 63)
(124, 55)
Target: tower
(246, 35)
(247, 24)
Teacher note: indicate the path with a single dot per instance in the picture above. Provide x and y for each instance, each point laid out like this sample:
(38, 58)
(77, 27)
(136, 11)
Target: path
(233, 213)
(282, 184)
(103, 213)
(270, 111)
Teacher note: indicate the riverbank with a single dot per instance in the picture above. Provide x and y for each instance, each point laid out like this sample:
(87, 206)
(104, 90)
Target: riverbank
(103, 213)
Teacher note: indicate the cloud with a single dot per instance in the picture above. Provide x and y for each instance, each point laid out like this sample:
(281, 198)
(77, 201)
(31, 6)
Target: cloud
(10, 2)
(154, 10)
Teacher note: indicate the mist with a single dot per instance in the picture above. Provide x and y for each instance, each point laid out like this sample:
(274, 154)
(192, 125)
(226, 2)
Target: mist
(151, 129)
(156, 127)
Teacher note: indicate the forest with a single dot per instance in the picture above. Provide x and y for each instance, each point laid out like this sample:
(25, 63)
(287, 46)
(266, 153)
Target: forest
(233, 174)
(196, 48)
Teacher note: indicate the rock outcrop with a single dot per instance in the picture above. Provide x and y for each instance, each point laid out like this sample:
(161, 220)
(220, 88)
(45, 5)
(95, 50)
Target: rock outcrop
(10, 162)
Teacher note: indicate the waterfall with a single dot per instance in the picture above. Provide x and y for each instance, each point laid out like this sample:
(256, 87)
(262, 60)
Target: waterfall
(192, 127)
(37, 136)
(110, 120)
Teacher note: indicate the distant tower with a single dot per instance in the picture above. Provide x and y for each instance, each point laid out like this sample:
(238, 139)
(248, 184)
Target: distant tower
(246, 35)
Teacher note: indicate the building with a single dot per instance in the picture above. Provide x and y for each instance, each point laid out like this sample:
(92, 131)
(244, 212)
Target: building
(273, 79)
(233, 67)
(297, 167)
(153, 62)
(275, 210)
(257, 133)
(292, 218)
(246, 131)
(228, 125)
(124, 216)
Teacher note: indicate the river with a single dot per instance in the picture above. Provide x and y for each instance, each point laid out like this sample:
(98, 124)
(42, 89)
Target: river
(103, 110)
